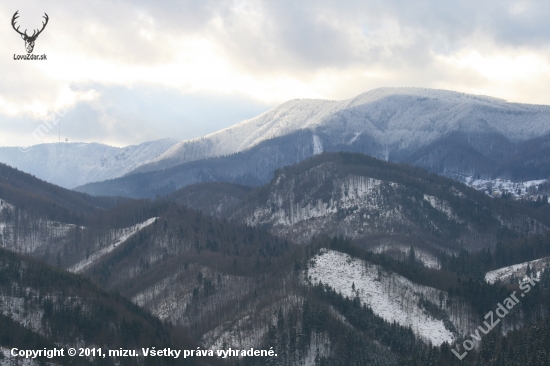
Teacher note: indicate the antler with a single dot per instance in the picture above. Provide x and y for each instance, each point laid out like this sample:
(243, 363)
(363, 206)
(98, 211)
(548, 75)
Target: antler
(34, 33)
(43, 25)
(15, 16)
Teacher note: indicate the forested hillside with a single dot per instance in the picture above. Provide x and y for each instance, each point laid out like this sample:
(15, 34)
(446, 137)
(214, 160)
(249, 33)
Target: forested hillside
(43, 307)
(42, 198)
(405, 286)
(382, 205)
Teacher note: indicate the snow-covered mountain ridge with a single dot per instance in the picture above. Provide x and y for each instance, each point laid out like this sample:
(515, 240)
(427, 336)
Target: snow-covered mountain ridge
(449, 133)
(397, 120)
(72, 164)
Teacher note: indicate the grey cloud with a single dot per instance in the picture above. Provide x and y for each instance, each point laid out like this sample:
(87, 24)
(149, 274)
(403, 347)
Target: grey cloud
(303, 32)
(301, 36)
(296, 36)
(285, 37)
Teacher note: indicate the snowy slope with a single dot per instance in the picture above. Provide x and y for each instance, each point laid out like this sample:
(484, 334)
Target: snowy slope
(389, 295)
(279, 121)
(496, 187)
(23, 232)
(315, 214)
(323, 196)
(124, 234)
(394, 118)
(72, 164)
(353, 191)
(517, 272)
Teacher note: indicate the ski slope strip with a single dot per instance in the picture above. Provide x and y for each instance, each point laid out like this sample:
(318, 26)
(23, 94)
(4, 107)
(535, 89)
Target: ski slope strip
(390, 296)
(125, 234)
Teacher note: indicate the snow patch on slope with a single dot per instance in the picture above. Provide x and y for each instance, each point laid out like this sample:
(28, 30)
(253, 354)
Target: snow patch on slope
(442, 206)
(390, 296)
(495, 187)
(125, 234)
(171, 299)
(5, 206)
(247, 331)
(317, 145)
(517, 272)
(356, 135)
(231, 333)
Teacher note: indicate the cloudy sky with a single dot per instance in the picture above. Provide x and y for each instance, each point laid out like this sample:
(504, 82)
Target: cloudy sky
(124, 72)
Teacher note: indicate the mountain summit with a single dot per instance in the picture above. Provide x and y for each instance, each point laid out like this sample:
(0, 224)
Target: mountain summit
(388, 123)
(446, 132)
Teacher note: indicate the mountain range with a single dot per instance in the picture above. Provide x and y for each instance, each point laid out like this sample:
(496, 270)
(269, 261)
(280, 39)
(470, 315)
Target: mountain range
(446, 132)
(73, 164)
(388, 123)
(334, 233)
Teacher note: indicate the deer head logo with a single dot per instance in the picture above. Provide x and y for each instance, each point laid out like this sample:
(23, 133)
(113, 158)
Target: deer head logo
(29, 40)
